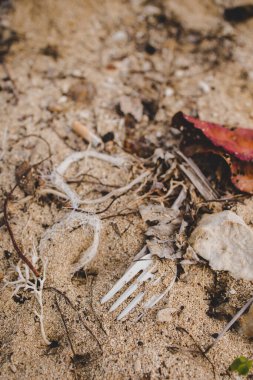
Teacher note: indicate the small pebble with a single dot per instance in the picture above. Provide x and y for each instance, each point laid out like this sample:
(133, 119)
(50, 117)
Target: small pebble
(165, 315)
(13, 368)
(120, 36)
(204, 87)
(169, 91)
(137, 365)
(62, 99)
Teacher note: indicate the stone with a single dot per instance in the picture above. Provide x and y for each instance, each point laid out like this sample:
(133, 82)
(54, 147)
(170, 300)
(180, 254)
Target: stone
(226, 241)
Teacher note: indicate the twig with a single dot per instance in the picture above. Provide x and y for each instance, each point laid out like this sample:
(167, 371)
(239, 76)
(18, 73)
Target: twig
(75, 180)
(14, 242)
(198, 179)
(67, 300)
(6, 220)
(230, 323)
(65, 326)
(92, 308)
(201, 351)
(14, 87)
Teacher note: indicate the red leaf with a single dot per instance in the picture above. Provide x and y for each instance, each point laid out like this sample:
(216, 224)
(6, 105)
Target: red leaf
(236, 141)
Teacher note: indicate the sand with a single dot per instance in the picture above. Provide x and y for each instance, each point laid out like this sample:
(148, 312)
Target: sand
(103, 45)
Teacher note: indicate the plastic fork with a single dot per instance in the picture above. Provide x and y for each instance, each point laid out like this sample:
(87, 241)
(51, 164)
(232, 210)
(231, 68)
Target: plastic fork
(146, 267)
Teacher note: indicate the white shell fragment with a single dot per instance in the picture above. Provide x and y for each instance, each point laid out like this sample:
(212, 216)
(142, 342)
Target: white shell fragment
(226, 242)
(166, 315)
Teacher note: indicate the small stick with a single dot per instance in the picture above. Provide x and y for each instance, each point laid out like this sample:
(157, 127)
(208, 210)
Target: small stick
(67, 300)
(65, 326)
(14, 242)
(230, 323)
(6, 220)
(92, 308)
(14, 87)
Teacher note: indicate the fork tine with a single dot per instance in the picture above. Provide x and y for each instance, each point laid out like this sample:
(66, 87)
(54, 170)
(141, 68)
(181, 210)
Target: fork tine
(140, 265)
(131, 306)
(157, 297)
(144, 276)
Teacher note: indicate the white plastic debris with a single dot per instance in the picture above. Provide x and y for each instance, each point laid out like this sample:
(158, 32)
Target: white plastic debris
(226, 242)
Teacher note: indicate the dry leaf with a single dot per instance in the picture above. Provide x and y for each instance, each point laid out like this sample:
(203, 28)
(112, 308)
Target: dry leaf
(236, 141)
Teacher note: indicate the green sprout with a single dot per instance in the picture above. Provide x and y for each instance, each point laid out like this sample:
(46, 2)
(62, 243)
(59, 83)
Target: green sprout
(241, 365)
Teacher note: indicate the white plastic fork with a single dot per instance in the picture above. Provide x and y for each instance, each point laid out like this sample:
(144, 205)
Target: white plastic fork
(147, 266)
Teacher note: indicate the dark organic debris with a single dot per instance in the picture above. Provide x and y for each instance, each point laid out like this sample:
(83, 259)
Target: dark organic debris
(51, 51)
(150, 108)
(241, 171)
(233, 145)
(81, 359)
(238, 14)
(82, 92)
(20, 299)
(236, 141)
(109, 136)
(26, 178)
(150, 49)
(142, 147)
(7, 38)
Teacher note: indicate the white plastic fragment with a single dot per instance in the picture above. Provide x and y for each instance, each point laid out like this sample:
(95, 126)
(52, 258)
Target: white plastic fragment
(226, 242)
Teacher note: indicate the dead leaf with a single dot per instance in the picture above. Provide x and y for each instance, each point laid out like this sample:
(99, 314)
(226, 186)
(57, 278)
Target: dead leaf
(241, 171)
(236, 141)
(25, 178)
(82, 92)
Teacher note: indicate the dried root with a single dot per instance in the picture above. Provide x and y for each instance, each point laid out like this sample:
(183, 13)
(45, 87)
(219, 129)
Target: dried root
(56, 177)
(27, 281)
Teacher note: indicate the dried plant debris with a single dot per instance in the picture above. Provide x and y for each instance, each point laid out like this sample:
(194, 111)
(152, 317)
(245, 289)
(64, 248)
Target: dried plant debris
(226, 242)
(239, 13)
(163, 223)
(51, 51)
(26, 178)
(236, 141)
(7, 38)
(234, 146)
(26, 280)
(82, 92)
(132, 106)
(192, 171)
(241, 172)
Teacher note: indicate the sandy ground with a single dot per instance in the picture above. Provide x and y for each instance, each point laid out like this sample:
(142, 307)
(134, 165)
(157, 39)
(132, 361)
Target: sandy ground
(158, 52)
